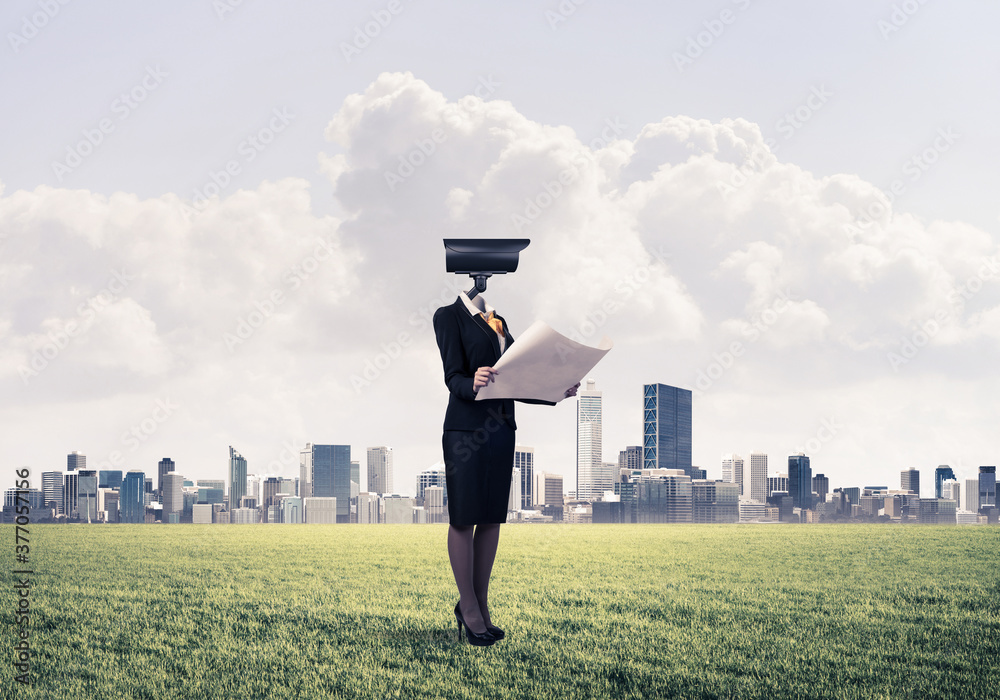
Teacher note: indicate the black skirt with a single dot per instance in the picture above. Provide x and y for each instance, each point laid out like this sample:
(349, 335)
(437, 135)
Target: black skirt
(478, 465)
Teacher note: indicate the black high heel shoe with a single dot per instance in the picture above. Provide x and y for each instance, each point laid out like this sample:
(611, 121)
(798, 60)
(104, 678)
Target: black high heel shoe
(495, 631)
(480, 640)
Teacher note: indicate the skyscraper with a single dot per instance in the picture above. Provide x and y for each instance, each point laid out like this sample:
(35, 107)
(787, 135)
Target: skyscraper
(305, 470)
(131, 499)
(165, 466)
(52, 488)
(173, 497)
(109, 479)
(821, 485)
(732, 470)
(524, 460)
(331, 476)
(380, 470)
(942, 474)
(758, 490)
(987, 487)
(76, 461)
(589, 445)
(630, 458)
(434, 476)
(666, 427)
(237, 478)
(70, 486)
(909, 480)
(800, 481)
(87, 494)
(970, 500)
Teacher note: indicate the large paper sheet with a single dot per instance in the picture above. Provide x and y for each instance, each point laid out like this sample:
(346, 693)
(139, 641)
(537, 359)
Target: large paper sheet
(542, 364)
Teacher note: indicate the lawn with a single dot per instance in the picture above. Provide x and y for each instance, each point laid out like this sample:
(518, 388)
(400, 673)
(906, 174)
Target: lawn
(591, 611)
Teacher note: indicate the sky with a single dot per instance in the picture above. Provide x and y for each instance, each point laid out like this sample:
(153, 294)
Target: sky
(221, 224)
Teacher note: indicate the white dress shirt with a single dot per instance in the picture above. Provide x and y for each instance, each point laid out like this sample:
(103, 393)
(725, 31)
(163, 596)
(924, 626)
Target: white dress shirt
(475, 311)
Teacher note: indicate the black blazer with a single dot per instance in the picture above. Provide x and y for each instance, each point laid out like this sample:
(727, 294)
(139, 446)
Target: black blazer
(467, 343)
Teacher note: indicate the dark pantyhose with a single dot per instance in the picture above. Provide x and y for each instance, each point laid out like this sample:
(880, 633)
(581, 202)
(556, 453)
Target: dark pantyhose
(472, 549)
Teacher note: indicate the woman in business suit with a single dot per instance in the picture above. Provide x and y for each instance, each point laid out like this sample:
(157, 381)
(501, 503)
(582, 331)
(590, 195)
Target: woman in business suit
(478, 444)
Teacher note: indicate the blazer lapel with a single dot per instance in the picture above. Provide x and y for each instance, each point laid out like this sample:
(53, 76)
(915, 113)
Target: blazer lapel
(483, 326)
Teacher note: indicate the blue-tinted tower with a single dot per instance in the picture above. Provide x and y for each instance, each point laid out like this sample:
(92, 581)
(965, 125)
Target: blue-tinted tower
(331, 467)
(941, 475)
(666, 427)
(131, 500)
(800, 481)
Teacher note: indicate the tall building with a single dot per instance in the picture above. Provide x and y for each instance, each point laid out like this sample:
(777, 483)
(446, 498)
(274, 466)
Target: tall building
(76, 461)
(952, 491)
(987, 487)
(909, 480)
(757, 487)
(165, 466)
(70, 490)
(355, 476)
(524, 460)
(589, 443)
(800, 481)
(237, 478)
(942, 474)
(331, 476)
(434, 476)
(630, 458)
(732, 470)
(548, 489)
(666, 427)
(514, 497)
(131, 497)
(778, 482)
(173, 496)
(52, 490)
(305, 471)
(380, 470)
(821, 485)
(970, 501)
(87, 495)
(271, 487)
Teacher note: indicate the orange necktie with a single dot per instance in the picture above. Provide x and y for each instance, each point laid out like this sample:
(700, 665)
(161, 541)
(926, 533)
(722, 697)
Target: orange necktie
(495, 323)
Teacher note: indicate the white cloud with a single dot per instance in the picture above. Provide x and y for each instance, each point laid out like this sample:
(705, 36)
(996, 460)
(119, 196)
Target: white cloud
(675, 244)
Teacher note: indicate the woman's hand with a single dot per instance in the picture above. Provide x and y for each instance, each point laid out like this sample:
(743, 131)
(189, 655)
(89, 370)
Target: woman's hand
(572, 390)
(484, 375)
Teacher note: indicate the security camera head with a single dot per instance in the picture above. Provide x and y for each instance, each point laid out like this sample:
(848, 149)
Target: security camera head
(483, 256)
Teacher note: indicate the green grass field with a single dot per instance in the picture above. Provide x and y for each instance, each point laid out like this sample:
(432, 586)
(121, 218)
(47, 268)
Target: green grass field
(591, 611)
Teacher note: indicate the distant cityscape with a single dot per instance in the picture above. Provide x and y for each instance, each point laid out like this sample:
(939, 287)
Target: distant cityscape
(655, 482)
